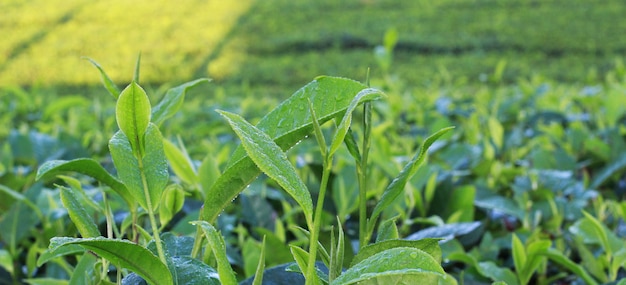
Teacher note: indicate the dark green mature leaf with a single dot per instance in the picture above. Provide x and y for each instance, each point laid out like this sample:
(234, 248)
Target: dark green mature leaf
(428, 245)
(397, 185)
(271, 159)
(218, 247)
(132, 112)
(86, 166)
(172, 101)
(188, 271)
(400, 265)
(122, 253)
(84, 223)
(289, 123)
(108, 83)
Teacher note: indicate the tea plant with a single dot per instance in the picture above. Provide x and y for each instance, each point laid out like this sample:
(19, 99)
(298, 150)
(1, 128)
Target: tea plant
(140, 154)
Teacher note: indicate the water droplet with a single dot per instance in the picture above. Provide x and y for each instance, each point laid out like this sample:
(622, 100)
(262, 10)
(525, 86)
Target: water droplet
(414, 254)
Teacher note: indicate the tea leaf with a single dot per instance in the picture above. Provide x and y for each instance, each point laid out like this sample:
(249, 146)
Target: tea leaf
(180, 163)
(133, 115)
(519, 256)
(258, 276)
(172, 101)
(84, 223)
(86, 166)
(289, 123)
(400, 265)
(558, 257)
(397, 185)
(271, 159)
(84, 270)
(154, 166)
(363, 96)
(108, 83)
(218, 247)
(427, 245)
(495, 273)
(122, 253)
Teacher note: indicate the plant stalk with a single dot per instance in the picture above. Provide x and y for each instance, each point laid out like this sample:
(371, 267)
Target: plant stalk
(311, 275)
(364, 235)
(153, 223)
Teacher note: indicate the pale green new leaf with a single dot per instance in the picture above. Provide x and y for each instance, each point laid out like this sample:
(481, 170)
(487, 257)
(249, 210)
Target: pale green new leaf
(519, 256)
(287, 124)
(400, 265)
(397, 185)
(218, 247)
(154, 166)
(83, 222)
(127, 167)
(133, 114)
(172, 101)
(124, 254)
(271, 159)
(180, 163)
(86, 166)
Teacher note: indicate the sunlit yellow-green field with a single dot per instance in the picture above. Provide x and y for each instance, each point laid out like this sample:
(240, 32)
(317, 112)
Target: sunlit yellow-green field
(45, 42)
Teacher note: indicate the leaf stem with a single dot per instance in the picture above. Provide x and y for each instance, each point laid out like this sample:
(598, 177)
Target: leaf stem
(311, 277)
(364, 235)
(153, 223)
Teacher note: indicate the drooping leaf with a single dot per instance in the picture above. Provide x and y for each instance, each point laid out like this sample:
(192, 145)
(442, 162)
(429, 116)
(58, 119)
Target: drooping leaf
(346, 121)
(400, 265)
(83, 222)
(108, 83)
(132, 112)
(448, 231)
(122, 253)
(271, 159)
(427, 245)
(397, 185)
(86, 166)
(289, 123)
(558, 257)
(172, 101)
(188, 271)
(218, 247)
